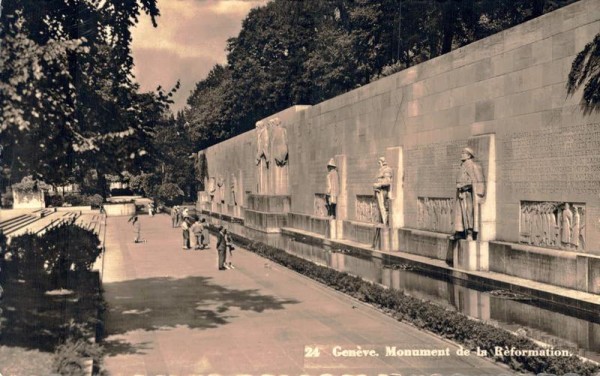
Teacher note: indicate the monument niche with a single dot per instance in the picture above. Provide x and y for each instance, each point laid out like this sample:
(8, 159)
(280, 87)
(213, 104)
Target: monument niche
(329, 203)
(378, 216)
(266, 210)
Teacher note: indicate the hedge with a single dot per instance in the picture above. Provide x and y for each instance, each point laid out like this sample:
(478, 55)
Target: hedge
(426, 315)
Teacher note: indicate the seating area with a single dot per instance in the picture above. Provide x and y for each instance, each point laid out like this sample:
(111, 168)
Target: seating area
(42, 220)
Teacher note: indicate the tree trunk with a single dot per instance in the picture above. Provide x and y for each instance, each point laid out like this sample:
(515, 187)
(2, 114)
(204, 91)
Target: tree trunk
(449, 15)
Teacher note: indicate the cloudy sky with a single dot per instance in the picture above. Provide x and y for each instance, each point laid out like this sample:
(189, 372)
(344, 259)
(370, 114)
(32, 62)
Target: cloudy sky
(190, 39)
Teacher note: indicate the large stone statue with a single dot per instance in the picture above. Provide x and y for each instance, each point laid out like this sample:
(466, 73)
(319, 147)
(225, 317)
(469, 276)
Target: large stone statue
(470, 190)
(221, 189)
(262, 134)
(382, 188)
(262, 156)
(233, 189)
(280, 144)
(333, 188)
(211, 187)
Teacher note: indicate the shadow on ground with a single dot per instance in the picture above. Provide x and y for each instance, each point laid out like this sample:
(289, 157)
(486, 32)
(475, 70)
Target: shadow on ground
(163, 303)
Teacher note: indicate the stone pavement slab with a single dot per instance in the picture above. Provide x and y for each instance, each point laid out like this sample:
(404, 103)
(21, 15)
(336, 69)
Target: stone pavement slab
(171, 312)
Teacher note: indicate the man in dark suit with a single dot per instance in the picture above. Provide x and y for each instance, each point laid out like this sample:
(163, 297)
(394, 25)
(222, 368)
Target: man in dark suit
(222, 247)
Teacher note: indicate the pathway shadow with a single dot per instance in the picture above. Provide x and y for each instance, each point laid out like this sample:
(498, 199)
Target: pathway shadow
(164, 303)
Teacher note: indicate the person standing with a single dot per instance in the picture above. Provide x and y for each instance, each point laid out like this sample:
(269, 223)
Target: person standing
(137, 228)
(470, 190)
(205, 234)
(196, 230)
(185, 227)
(174, 217)
(222, 247)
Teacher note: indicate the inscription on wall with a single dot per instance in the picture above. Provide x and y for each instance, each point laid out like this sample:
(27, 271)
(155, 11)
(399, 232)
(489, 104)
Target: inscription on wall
(320, 209)
(553, 224)
(430, 168)
(367, 209)
(435, 214)
(553, 161)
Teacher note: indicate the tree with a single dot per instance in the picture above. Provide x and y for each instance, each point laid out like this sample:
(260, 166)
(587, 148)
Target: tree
(68, 95)
(585, 71)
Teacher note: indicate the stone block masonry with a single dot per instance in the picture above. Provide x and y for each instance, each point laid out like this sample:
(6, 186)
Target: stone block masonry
(505, 98)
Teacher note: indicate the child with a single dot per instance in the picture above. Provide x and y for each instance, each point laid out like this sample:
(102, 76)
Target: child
(230, 247)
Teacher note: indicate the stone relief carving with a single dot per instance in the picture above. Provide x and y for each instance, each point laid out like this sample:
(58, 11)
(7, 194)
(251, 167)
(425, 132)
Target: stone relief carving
(552, 224)
(280, 142)
(367, 209)
(435, 214)
(320, 205)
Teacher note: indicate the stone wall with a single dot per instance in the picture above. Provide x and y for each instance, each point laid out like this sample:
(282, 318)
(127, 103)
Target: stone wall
(28, 200)
(504, 96)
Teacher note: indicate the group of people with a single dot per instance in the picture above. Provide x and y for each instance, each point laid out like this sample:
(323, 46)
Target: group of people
(178, 215)
(196, 235)
(195, 232)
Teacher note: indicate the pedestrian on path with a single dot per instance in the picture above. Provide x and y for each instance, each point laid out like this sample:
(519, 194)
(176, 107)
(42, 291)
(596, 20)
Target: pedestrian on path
(185, 227)
(174, 216)
(151, 209)
(205, 234)
(137, 228)
(196, 230)
(222, 247)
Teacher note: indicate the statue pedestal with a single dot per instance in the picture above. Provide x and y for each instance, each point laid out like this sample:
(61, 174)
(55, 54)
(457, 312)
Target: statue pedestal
(267, 213)
(336, 229)
(471, 255)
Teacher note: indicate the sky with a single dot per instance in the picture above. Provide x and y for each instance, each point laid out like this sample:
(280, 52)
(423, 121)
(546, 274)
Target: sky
(190, 39)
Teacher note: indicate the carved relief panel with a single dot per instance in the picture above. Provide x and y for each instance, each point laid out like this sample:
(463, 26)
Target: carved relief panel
(435, 214)
(367, 209)
(553, 224)
(320, 205)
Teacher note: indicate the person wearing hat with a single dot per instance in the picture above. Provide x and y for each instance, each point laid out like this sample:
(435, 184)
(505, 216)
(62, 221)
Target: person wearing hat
(333, 188)
(470, 190)
(382, 188)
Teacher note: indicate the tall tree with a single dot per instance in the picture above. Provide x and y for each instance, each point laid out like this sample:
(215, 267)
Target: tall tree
(585, 71)
(66, 85)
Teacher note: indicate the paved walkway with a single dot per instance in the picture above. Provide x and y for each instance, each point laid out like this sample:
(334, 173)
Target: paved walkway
(171, 312)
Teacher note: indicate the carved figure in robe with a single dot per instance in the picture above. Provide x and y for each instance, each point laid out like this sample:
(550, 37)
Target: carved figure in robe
(279, 146)
(566, 223)
(221, 185)
(211, 187)
(576, 227)
(382, 185)
(262, 133)
(470, 190)
(332, 190)
(233, 189)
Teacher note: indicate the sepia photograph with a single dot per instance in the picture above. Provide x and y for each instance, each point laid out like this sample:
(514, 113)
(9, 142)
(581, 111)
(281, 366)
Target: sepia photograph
(299, 187)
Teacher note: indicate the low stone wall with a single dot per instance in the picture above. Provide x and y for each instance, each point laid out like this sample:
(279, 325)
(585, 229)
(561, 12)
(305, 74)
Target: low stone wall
(309, 223)
(425, 243)
(566, 269)
(28, 200)
(122, 209)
